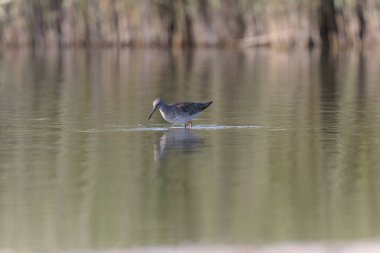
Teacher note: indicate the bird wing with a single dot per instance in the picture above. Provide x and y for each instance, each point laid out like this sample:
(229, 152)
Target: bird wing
(191, 108)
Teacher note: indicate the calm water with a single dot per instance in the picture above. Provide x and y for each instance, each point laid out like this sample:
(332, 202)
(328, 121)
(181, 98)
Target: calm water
(288, 151)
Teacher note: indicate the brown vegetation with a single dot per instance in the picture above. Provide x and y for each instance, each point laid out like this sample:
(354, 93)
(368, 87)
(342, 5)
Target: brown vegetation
(176, 23)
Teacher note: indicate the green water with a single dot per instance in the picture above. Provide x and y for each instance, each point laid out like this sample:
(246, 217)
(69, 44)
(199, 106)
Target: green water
(288, 151)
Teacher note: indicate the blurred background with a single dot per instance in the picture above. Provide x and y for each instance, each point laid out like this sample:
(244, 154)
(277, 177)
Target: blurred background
(286, 158)
(281, 24)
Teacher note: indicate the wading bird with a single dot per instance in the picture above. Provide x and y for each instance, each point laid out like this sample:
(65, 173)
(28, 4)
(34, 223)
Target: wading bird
(179, 113)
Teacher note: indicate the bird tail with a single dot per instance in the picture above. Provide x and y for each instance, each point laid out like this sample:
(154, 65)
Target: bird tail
(207, 104)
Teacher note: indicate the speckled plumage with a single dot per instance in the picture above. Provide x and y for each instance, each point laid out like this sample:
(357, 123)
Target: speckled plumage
(179, 113)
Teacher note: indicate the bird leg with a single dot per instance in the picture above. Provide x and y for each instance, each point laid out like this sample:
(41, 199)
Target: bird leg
(190, 124)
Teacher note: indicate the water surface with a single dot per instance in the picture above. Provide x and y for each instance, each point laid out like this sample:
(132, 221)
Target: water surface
(288, 152)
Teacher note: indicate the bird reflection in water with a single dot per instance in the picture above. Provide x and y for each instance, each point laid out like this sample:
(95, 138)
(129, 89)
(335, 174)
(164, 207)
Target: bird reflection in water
(177, 140)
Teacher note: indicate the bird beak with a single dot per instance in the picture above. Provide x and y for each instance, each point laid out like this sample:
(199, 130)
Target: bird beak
(155, 108)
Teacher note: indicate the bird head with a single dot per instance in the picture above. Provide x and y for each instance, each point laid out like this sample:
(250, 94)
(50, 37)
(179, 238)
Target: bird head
(156, 104)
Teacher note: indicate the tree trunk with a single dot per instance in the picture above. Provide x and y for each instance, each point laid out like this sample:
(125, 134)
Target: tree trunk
(96, 35)
(34, 10)
(328, 28)
(186, 24)
(360, 5)
(56, 7)
(115, 19)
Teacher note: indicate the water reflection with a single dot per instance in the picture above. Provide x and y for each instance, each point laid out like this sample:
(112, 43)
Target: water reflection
(79, 171)
(176, 140)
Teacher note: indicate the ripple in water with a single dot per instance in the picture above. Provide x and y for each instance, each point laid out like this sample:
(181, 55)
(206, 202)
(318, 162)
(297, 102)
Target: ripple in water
(140, 129)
